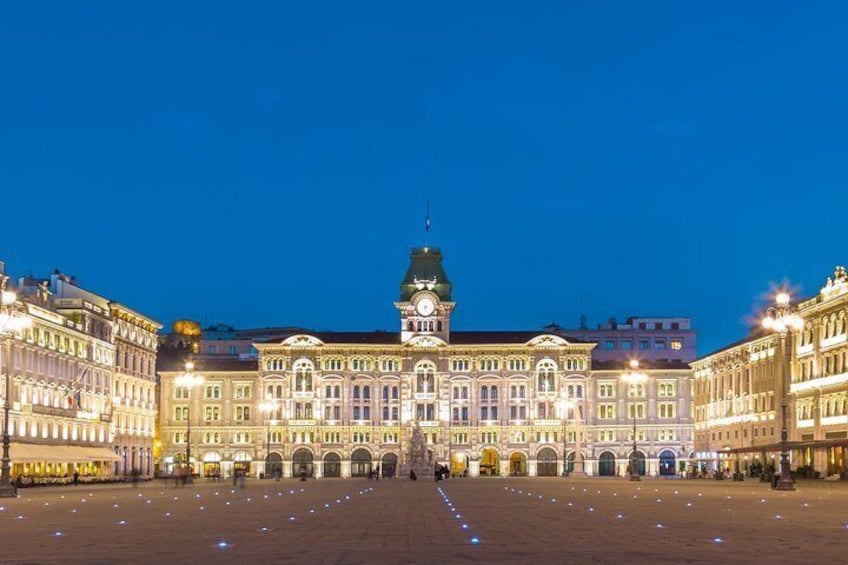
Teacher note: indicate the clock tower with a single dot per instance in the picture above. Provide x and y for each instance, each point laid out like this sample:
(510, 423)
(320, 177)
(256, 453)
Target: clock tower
(425, 297)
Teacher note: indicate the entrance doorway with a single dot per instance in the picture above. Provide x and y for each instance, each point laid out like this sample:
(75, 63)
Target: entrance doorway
(360, 463)
(606, 464)
(332, 466)
(546, 463)
(638, 458)
(302, 463)
(517, 465)
(273, 466)
(489, 462)
(667, 463)
(241, 463)
(388, 465)
(459, 464)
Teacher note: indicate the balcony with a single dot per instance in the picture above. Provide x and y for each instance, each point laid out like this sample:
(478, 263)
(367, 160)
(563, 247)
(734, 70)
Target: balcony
(833, 340)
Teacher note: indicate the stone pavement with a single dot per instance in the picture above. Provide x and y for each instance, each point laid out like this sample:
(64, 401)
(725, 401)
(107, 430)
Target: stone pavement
(538, 520)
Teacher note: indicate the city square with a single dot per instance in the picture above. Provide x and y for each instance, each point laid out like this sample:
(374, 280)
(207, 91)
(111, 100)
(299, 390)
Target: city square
(510, 520)
(536, 282)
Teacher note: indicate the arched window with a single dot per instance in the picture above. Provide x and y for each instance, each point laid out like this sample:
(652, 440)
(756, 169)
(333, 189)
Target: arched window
(484, 393)
(366, 392)
(356, 392)
(394, 393)
(545, 372)
(303, 376)
(425, 377)
(494, 392)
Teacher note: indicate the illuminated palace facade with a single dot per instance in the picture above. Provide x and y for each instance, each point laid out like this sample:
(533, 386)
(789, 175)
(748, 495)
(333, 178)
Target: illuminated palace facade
(339, 404)
(82, 384)
(738, 392)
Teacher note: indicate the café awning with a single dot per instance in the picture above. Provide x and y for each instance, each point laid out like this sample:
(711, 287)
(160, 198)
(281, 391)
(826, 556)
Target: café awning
(37, 453)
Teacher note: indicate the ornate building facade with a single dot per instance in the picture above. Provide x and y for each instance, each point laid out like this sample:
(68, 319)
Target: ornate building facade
(64, 370)
(738, 391)
(134, 398)
(340, 404)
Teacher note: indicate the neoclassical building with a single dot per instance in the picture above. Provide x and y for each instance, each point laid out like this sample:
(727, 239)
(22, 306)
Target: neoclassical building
(738, 391)
(82, 383)
(489, 403)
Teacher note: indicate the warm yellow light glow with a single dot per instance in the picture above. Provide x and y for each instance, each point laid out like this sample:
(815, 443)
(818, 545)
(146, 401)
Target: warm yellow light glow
(268, 406)
(634, 363)
(782, 298)
(189, 380)
(9, 297)
(189, 366)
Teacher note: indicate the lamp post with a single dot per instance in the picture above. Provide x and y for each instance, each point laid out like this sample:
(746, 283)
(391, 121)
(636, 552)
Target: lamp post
(783, 319)
(189, 380)
(12, 320)
(564, 404)
(634, 378)
(267, 408)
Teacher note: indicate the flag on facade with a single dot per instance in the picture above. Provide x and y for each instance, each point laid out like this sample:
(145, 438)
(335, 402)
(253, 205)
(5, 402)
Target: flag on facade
(75, 393)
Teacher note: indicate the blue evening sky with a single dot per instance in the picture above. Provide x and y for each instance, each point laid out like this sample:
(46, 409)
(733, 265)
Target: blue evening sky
(269, 164)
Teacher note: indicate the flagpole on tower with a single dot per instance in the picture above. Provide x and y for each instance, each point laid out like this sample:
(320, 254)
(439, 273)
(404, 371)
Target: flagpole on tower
(427, 225)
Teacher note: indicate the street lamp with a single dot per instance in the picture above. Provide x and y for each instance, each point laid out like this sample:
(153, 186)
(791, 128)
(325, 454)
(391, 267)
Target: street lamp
(782, 319)
(189, 380)
(564, 405)
(634, 378)
(12, 320)
(268, 408)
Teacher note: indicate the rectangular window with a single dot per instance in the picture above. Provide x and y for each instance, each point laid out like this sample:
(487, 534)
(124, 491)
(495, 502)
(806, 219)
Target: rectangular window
(609, 344)
(233, 350)
(676, 344)
(644, 344)
(212, 413)
(627, 344)
(667, 409)
(675, 325)
(639, 407)
(213, 350)
(242, 413)
(606, 411)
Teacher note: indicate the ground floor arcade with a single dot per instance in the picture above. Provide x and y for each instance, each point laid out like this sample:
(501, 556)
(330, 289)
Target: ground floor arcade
(490, 461)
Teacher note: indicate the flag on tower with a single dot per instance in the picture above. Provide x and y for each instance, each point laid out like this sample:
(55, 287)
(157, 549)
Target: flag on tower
(427, 221)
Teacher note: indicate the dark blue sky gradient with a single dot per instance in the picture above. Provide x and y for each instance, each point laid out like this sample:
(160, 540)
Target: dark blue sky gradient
(269, 165)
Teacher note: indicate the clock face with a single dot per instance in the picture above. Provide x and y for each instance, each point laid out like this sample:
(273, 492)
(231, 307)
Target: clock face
(425, 307)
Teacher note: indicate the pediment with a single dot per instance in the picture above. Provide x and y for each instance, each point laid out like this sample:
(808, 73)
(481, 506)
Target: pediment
(303, 340)
(426, 341)
(547, 340)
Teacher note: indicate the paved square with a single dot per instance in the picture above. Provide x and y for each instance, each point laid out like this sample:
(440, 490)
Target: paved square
(540, 520)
